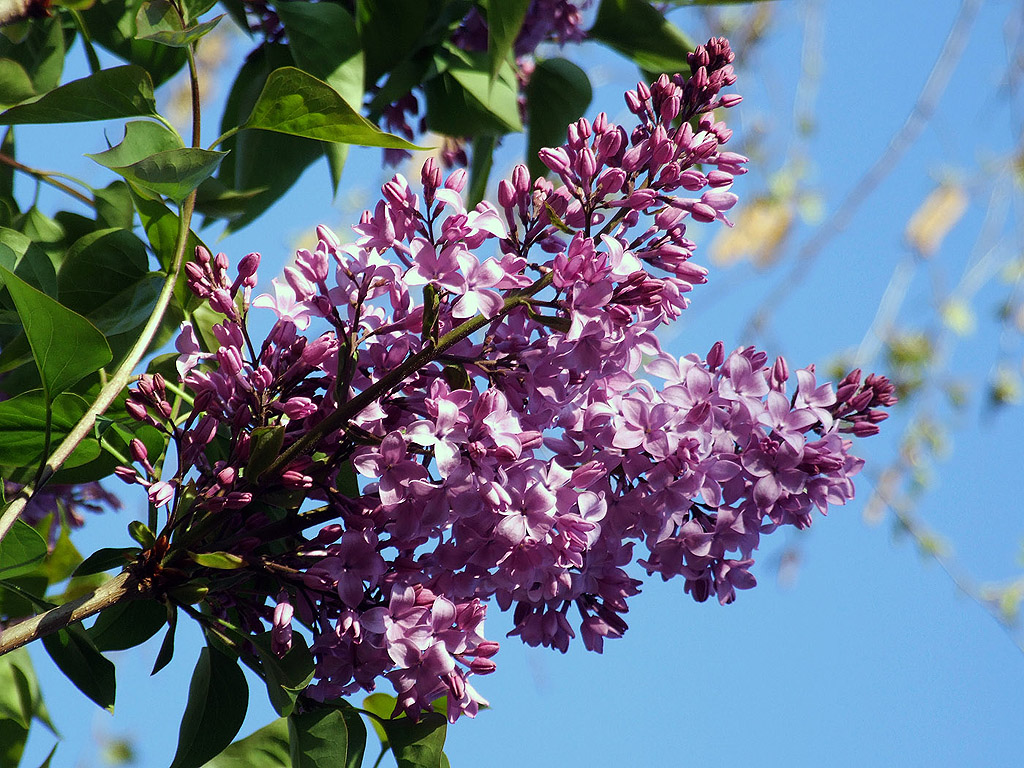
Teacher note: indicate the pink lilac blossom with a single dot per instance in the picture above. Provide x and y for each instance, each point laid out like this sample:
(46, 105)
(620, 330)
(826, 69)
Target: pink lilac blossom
(502, 431)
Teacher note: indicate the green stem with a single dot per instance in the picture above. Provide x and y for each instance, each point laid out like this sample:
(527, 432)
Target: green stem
(46, 177)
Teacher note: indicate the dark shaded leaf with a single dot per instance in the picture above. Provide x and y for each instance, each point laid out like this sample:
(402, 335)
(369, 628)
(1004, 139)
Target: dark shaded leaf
(166, 652)
(62, 559)
(75, 655)
(264, 447)
(40, 53)
(15, 84)
(326, 738)
(245, 169)
(106, 559)
(640, 32)
(417, 744)
(558, 94)
(480, 169)
(111, 23)
(504, 20)
(217, 700)
(114, 207)
(127, 624)
(324, 42)
(98, 267)
(28, 261)
(464, 101)
(107, 95)
(286, 677)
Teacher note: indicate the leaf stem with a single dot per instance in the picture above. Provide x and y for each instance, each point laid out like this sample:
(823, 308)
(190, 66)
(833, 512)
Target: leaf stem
(45, 177)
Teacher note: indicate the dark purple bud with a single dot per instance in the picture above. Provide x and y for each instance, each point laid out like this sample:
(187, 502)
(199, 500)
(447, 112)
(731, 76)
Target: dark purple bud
(248, 265)
(716, 355)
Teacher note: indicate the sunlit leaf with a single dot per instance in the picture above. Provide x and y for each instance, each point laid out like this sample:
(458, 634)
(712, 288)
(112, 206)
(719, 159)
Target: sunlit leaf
(298, 104)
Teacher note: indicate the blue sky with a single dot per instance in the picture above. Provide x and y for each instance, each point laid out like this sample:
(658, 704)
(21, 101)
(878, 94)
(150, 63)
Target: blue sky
(867, 654)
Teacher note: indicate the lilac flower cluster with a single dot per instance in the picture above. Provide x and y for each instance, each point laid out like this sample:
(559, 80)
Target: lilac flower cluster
(483, 431)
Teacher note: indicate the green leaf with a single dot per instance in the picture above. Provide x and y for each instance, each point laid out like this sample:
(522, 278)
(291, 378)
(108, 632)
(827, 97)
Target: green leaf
(504, 20)
(558, 94)
(382, 705)
(464, 101)
(127, 624)
(28, 261)
(65, 345)
(106, 559)
(107, 95)
(480, 166)
(158, 21)
(298, 104)
(140, 532)
(166, 652)
(387, 43)
(49, 757)
(244, 169)
(142, 138)
(224, 561)
(217, 700)
(217, 201)
(286, 677)
(13, 736)
(73, 652)
(40, 53)
(62, 560)
(15, 84)
(174, 173)
(264, 447)
(20, 550)
(640, 32)
(266, 748)
(114, 209)
(326, 738)
(323, 40)
(98, 267)
(417, 744)
(23, 429)
(111, 23)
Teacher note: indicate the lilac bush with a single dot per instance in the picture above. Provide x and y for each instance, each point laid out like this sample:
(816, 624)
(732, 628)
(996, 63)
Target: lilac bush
(465, 408)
